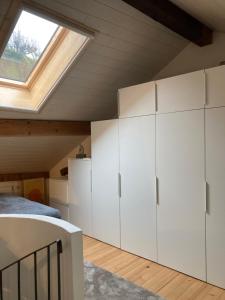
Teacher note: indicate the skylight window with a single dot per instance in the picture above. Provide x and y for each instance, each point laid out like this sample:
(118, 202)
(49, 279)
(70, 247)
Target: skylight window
(37, 56)
(27, 44)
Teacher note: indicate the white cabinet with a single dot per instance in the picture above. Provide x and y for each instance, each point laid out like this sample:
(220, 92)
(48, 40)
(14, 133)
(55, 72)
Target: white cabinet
(215, 92)
(105, 187)
(181, 191)
(215, 175)
(80, 205)
(179, 93)
(138, 198)
(58, 196)
(137, 100)
(63, 208)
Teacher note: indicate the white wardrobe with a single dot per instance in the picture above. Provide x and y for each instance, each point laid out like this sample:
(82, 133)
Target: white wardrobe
(159, 174)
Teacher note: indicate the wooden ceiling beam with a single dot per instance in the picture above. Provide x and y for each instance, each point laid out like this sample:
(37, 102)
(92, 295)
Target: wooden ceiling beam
(176, 19)
(23, 176)
(15, 127)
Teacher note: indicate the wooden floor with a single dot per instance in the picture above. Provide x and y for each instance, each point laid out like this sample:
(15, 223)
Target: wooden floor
(163, 281)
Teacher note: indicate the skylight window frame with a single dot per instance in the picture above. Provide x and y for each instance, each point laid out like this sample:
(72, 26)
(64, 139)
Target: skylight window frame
(52, 47)
(45, 56)
(15, 96)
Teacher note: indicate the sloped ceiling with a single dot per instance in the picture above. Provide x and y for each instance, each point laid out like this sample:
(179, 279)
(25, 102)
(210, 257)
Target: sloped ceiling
(128, 48)
(210, 12)
(34, 154)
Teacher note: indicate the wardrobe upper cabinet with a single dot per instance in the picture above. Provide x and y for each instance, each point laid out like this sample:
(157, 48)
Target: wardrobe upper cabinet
(215, 83)
(138, 100)
(215, 176)
(105, 177)
(179, 93)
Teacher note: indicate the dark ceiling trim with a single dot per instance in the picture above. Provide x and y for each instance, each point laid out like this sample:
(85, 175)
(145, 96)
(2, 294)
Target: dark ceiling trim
(176, 19)
(12, 127)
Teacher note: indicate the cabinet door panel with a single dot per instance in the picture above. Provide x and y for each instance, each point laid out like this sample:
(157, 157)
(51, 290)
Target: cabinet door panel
(138, 199)
(80, 206)
(181, 209)
(105, 169)
(215, 83)
(137, 100)
(215, 174)
(179, 93)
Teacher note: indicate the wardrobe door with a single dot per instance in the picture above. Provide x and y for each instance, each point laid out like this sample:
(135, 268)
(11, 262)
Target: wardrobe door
(215, 83)
(138, 199)
(215, 175)
(137, 100)
(181, 191)
(105, 188)
(80, 206)
(179, 93)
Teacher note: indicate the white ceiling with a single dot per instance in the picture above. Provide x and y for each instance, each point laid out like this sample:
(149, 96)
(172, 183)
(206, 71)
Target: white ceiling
(210, 12)
(129, 48)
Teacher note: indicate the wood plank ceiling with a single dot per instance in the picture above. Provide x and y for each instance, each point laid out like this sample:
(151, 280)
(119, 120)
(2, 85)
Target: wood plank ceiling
(129, 48)
(34, 154)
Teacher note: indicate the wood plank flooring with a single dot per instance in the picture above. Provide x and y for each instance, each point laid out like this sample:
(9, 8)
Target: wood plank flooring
(163, 281)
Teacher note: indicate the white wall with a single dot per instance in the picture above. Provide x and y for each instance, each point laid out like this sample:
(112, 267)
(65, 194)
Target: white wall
(194, 58)
(55, 171)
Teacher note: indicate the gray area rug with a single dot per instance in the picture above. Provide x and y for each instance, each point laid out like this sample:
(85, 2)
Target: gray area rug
(103, 285)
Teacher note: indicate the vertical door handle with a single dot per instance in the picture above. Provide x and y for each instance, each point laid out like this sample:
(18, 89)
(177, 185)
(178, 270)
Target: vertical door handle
(206, 197)
(156, 98)
(119, 184)
(206, 88)
(157, 190)
(91, 179)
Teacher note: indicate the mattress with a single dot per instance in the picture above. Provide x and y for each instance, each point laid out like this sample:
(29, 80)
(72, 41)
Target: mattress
(11, 204)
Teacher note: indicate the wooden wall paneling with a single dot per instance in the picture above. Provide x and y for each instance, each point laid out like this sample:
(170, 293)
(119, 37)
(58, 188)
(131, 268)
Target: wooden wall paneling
(23, 176)
(43, 128)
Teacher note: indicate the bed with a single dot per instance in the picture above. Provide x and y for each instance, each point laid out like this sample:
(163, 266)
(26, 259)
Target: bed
(12, 204)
